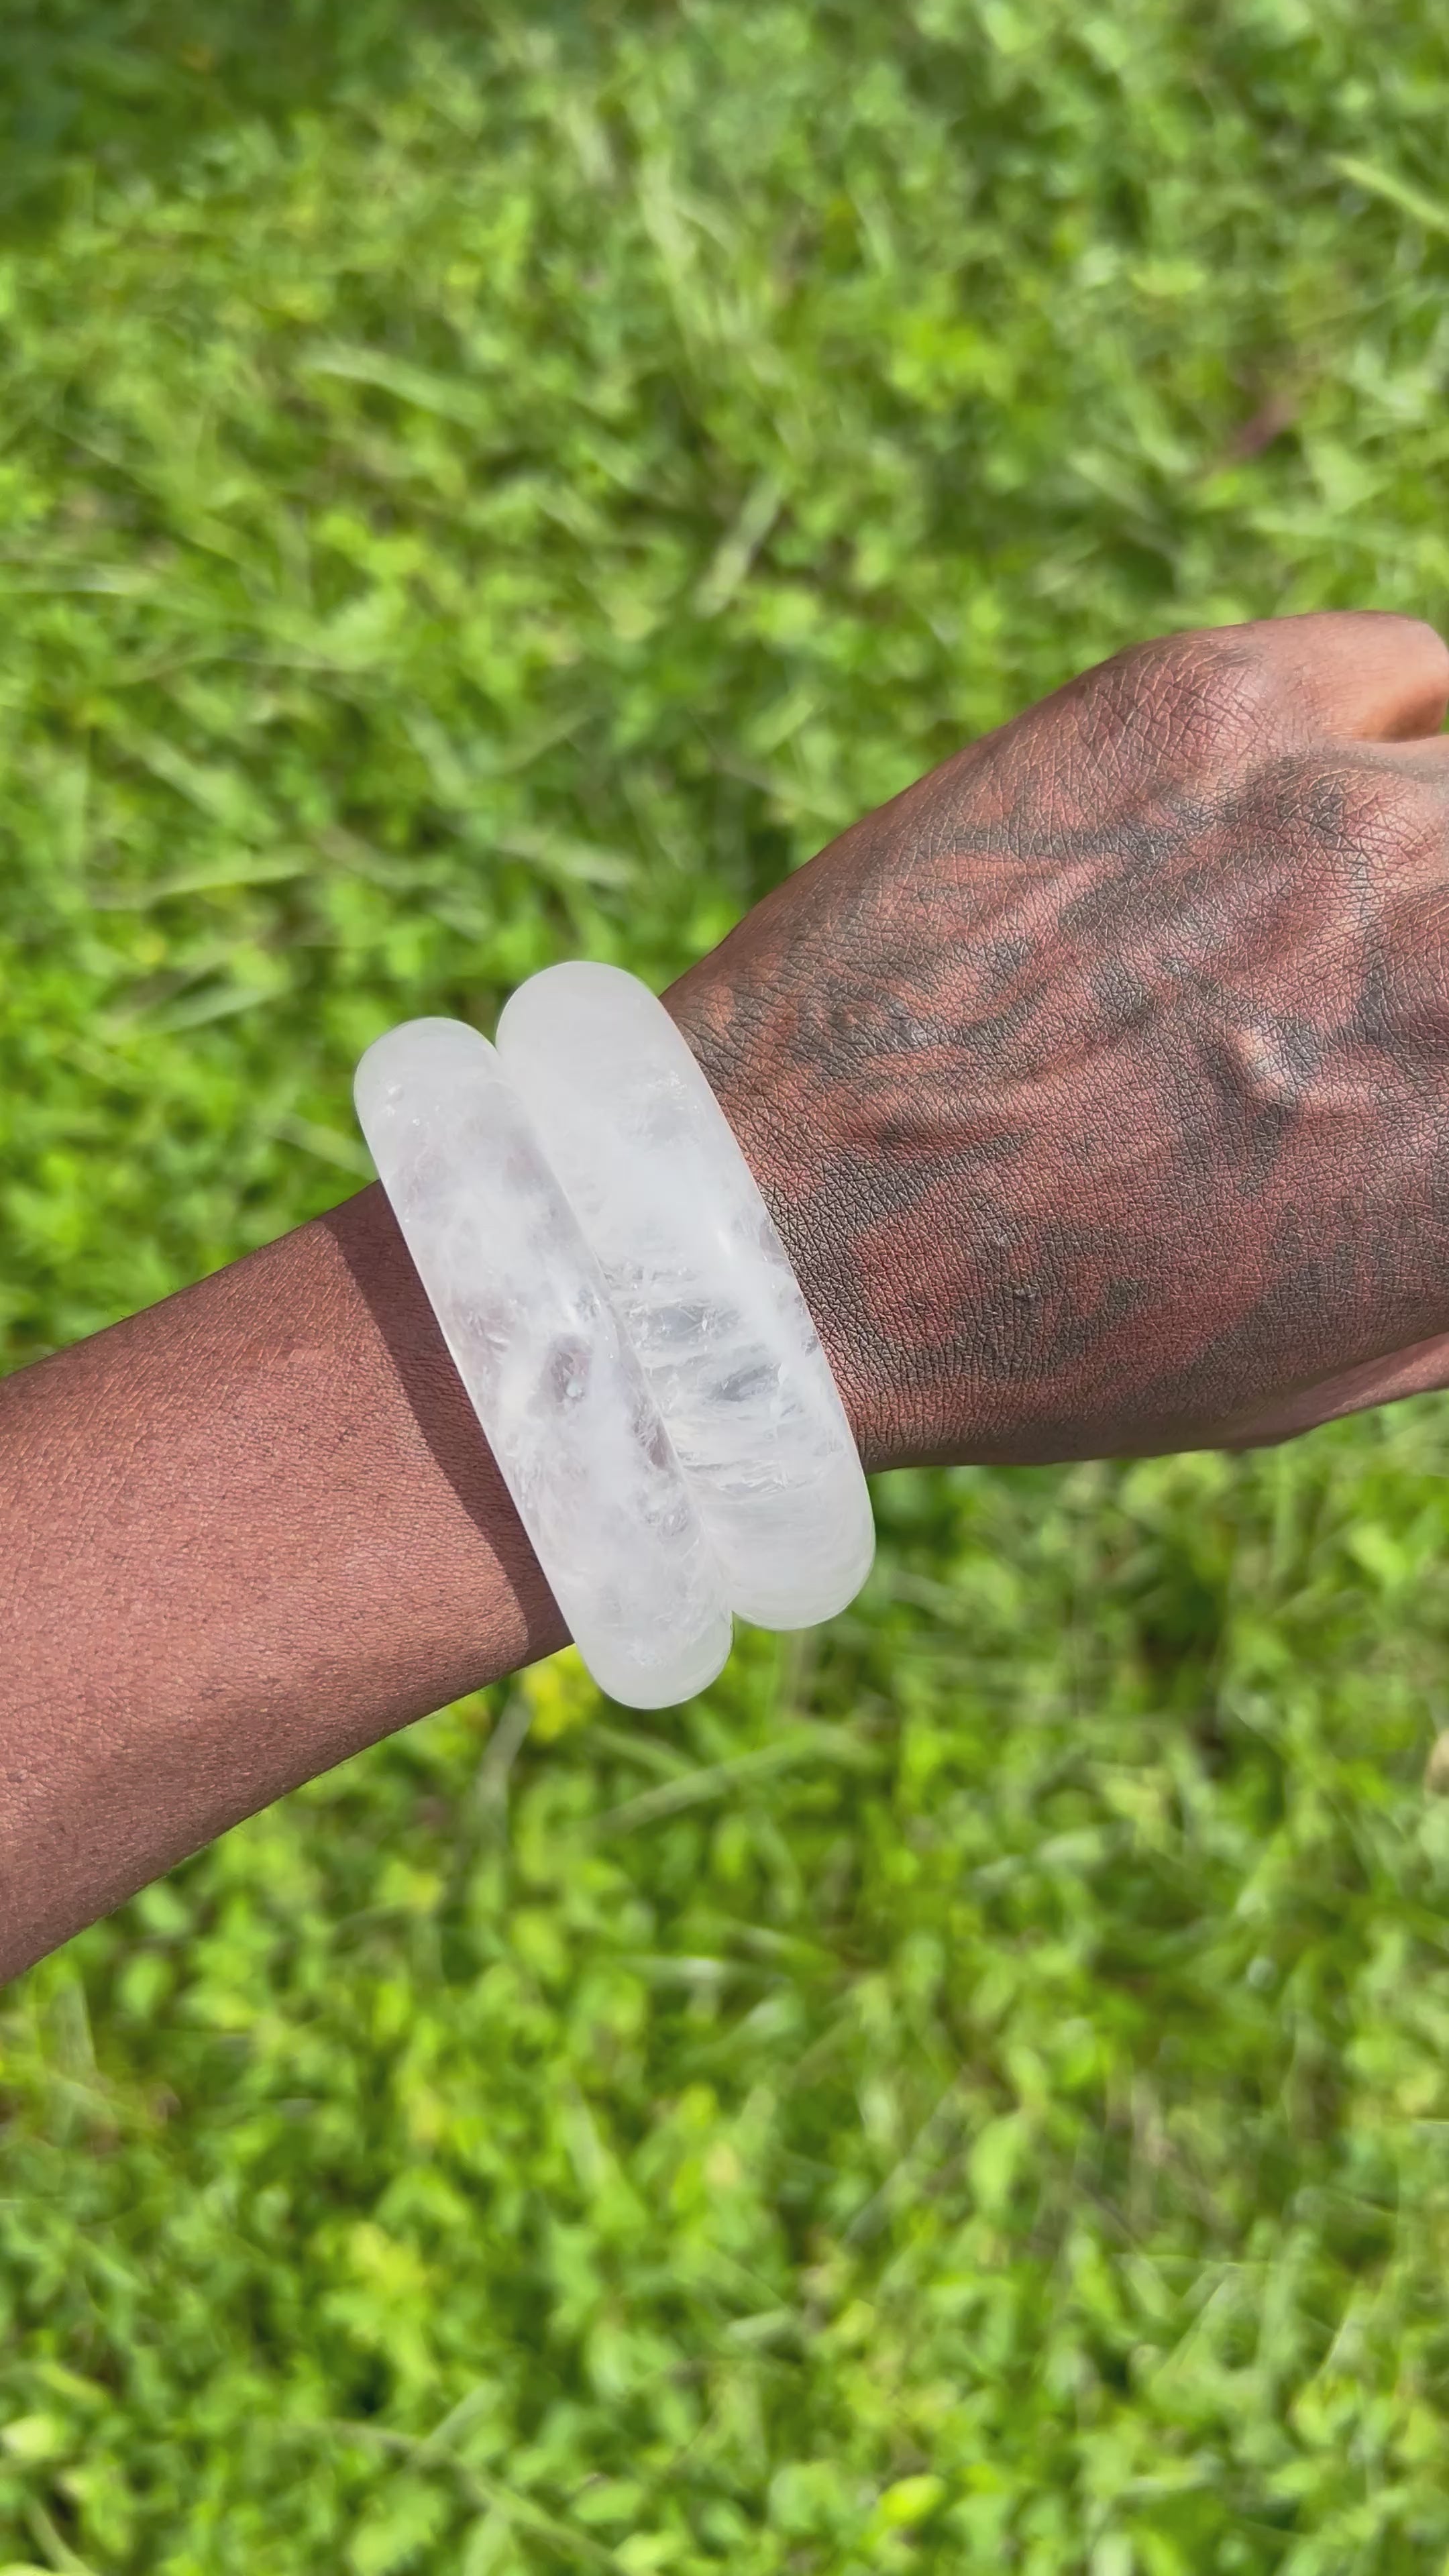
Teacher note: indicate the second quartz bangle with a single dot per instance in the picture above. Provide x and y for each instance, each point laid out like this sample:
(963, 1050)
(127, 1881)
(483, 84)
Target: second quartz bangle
(703, 1287)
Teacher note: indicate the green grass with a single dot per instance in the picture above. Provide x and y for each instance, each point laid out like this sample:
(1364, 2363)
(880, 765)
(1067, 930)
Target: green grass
(973, 2091)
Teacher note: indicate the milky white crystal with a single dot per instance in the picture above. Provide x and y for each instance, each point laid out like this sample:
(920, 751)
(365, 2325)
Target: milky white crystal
(551, 1376)
(702, 1285)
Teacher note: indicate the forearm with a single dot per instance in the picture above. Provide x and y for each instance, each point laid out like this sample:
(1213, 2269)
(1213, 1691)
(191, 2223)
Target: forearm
(255, 1528)
(241, 1535)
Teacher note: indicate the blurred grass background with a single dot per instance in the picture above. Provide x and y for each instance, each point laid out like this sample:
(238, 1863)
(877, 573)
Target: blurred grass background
(970, 2093)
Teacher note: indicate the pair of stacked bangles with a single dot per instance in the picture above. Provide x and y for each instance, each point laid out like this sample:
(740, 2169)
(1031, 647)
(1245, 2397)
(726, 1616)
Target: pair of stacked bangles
(626, 1323)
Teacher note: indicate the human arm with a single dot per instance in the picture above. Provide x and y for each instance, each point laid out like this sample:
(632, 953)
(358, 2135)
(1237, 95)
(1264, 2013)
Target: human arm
(241, 1535)
(1100, 1087)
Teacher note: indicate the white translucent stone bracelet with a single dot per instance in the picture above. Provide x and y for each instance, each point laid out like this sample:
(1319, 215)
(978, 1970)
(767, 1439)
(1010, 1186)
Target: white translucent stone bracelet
(545, 1361)
(702, 1285)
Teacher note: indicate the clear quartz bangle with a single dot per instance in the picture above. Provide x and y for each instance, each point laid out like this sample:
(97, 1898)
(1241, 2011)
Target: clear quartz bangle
(550, 1374)
(702, 1285)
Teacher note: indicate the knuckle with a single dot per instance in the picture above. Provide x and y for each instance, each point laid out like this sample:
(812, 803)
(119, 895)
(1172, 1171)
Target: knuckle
(1390, 669)
(1191, 698)
(1419, 638)
(1368, 806)
(1340, 632)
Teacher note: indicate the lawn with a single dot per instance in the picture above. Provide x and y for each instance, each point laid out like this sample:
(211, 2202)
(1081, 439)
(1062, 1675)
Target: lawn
(972, 2091)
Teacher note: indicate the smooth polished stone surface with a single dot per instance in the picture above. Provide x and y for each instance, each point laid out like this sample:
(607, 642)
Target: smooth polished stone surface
(551, 1376)
(702, 1285)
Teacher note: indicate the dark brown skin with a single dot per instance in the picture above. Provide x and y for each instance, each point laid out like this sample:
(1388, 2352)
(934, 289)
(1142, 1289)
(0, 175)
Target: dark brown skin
(1102, 1078)
(1100, 1087)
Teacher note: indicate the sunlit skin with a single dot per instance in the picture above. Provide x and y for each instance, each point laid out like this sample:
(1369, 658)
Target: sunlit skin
(1100, 1087)
(1101, 1080)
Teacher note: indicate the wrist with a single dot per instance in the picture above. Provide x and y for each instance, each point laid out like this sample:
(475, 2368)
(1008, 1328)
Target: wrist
(748, 1074)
